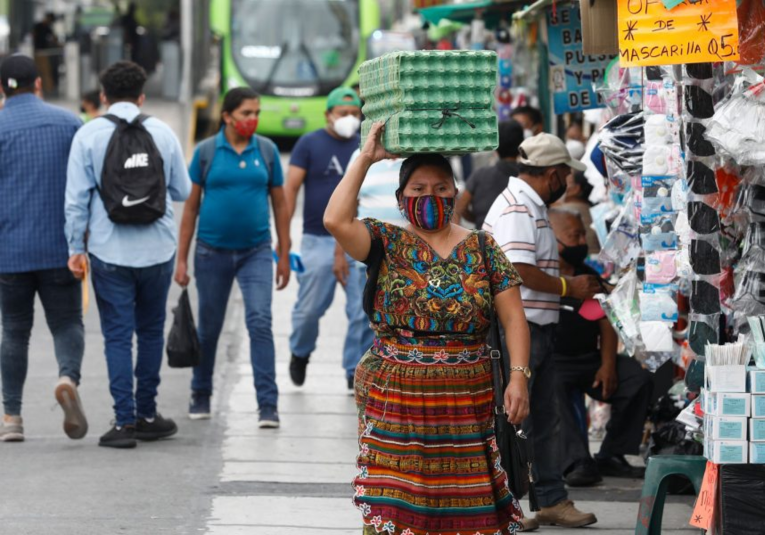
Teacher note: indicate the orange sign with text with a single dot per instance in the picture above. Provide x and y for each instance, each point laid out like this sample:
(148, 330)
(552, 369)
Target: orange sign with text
(705, 508)
(693, 32)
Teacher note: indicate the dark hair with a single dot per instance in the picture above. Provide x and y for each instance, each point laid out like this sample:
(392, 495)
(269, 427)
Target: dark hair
(93, 97)
(510, 138)
(236, 96)
(18, 91)
(123, 80)
(584, 185)
(531, 170)
(534, 114)
(416, 161)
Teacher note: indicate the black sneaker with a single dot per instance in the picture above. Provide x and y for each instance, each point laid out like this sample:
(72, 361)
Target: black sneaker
(156, 428)
(297, 369)
(583, 474)
(351, 390)
(268, 418)
(199, 406)
(617, 466)
(122, 437)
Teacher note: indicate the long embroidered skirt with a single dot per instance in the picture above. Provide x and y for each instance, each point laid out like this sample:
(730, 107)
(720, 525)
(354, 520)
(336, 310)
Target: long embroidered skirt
(428, 462)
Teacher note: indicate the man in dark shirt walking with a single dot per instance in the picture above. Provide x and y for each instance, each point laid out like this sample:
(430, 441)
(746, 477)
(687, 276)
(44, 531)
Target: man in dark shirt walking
(35, 139)
(319, 161)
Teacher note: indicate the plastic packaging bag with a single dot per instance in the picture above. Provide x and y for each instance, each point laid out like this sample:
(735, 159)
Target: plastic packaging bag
(183, 349)
(737, 128)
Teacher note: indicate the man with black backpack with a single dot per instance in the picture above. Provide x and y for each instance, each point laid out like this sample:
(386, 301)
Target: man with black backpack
(125, 169)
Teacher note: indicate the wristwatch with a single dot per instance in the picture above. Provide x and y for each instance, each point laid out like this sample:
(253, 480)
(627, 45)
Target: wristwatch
(523, 369)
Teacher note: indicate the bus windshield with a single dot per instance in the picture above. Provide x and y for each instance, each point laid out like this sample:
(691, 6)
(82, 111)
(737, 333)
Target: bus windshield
(296, 48)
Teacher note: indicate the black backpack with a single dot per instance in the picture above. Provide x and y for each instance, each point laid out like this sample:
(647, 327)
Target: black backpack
(133, 187)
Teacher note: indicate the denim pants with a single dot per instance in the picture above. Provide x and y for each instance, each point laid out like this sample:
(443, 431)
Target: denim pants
(215, 271)
(61, 296)
(543, 425)
(315, 295)
(132, 301)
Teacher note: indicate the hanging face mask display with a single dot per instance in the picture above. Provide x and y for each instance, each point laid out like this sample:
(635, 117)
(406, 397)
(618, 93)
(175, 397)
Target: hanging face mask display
(703, 331)
(755, 199)
(428, 212)
(697, 141)
(347, 126)
(699, 103)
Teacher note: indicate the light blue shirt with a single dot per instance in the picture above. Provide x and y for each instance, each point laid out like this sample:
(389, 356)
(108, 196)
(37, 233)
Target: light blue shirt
(123, 245)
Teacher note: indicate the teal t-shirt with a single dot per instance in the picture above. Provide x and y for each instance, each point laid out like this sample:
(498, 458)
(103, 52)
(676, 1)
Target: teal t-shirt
(234, 213)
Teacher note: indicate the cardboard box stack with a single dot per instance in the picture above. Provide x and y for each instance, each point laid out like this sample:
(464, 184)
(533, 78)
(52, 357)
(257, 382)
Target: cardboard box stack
(432, 101)
(733, 402)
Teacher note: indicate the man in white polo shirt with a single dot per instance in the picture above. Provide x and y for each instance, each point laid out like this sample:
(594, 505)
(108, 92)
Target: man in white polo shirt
(519, 223)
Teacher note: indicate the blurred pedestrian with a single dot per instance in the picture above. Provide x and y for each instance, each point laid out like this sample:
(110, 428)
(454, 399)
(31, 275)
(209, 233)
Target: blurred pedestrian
(130, 34)
(519, 222)
(319, 161)
(35, 139)
(235, 173)
(531, 120)
(587, 363)
(485, 185)
(424, 390)
(45, 43)
(132, 264)
(90, 106)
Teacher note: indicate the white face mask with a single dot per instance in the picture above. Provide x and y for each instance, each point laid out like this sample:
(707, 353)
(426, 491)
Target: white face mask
(346, 126)
(527, 133)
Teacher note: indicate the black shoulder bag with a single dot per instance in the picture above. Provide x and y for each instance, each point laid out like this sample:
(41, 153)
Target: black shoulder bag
(516, 451)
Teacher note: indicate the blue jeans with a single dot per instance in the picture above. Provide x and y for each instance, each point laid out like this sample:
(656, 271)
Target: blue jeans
(315, 295)
(61, 296)
(215, 271)
(132, 301)
(543, 425)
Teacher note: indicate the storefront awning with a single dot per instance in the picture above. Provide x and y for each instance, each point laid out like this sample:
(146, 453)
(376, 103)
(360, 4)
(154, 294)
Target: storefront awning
(492, 12)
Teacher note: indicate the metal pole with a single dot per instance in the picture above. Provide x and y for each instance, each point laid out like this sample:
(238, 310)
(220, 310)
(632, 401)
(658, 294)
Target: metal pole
(187, 77)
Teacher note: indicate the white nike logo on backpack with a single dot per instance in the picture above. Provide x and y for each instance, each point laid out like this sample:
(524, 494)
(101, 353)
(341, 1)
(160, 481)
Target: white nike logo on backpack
(137, 160)
(127, 203)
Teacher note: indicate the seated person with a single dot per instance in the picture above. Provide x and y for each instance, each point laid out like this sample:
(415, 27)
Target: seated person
(586, 363)
(485, 184)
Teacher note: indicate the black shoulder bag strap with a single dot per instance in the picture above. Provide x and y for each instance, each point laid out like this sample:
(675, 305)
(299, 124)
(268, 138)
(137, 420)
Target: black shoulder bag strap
(515, 449)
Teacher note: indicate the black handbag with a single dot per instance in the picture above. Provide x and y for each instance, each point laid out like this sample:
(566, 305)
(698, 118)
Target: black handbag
(516, 451)
(183, 349)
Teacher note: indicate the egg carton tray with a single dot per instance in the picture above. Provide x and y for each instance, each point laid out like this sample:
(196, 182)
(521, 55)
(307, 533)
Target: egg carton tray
(427, 79)
(413, 132)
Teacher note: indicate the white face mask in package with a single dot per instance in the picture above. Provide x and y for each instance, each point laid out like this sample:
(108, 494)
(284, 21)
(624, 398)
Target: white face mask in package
(657, 302)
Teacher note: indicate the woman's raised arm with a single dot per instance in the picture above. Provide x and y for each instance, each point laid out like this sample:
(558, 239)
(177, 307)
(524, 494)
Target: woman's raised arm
(340, 216)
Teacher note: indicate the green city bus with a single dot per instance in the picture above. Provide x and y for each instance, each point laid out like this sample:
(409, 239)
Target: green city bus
(292, 52)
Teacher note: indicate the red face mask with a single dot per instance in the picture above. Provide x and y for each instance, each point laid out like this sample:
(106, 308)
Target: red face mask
(246, 128)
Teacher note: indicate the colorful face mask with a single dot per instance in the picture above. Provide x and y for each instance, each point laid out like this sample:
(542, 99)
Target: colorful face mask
(246, 128)
(428, 212)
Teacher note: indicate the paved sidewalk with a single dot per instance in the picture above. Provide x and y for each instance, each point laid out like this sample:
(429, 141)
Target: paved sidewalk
(297, 480)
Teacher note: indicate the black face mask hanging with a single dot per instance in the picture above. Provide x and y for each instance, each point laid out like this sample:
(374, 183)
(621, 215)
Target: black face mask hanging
(705, 259)
(703, 218)
(696, 140)
(705, 298)
(699, 71)
(701, 178)
(699, 102)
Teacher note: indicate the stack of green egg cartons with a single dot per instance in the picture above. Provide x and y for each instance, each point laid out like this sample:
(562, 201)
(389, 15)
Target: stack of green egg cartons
(432, 100)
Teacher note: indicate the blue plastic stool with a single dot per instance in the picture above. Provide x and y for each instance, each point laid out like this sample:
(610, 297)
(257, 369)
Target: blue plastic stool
(658, 470)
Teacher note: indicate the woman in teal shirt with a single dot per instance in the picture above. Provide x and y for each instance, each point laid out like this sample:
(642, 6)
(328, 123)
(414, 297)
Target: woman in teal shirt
(234, 175)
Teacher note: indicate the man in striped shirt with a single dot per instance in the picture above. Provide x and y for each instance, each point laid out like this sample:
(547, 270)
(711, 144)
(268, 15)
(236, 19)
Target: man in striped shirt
(519, 222)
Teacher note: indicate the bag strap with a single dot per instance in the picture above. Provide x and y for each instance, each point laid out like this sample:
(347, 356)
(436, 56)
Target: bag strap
(266, 148)
(496, 353)
(206, 151)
